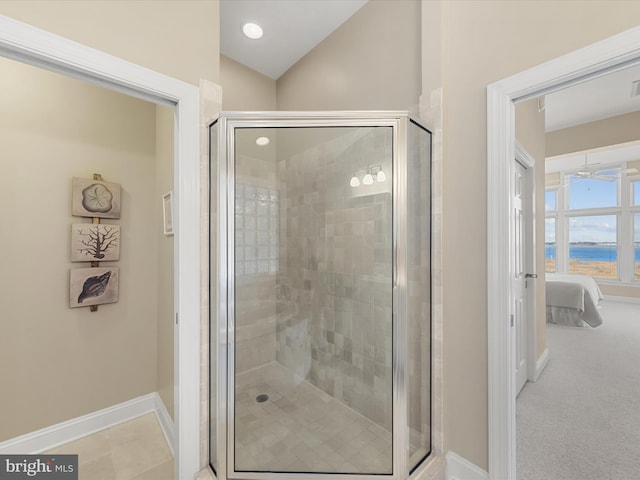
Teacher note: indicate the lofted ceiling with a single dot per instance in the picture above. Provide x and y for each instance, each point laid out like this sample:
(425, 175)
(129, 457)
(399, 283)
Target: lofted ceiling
(291, 29)
(294, 27)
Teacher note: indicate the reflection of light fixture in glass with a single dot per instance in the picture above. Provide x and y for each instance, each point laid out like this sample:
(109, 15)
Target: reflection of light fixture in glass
(252, 31)
(371, 175)
(262, 141)
(367, 179)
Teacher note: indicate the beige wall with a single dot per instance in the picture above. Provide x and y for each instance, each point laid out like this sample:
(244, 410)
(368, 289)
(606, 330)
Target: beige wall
(371, 62)
(59, 363)
(485, 41)
(432, 46)
(244, 89)
(610, 131)
(176, 37)
(164, 258)
(620, 290)
(530, 134)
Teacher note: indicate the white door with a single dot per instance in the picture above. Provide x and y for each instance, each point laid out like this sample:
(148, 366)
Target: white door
(520, 307)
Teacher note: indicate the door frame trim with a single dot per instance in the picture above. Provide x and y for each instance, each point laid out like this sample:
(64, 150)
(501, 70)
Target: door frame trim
(27, 44)
(611, 54)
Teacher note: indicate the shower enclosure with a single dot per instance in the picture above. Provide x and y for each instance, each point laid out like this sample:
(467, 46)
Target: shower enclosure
(320, 341)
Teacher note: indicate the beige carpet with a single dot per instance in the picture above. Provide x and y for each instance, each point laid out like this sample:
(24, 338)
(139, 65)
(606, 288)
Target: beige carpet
(581, 420)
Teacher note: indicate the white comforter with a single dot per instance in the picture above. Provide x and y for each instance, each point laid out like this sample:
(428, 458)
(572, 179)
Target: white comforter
(572, 299)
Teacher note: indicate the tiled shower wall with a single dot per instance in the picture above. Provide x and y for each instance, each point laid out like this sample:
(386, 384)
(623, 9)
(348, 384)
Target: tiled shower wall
(334, 281)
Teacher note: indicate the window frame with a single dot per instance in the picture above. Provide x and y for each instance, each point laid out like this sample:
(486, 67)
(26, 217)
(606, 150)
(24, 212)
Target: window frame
(625, 213)
(634, 180)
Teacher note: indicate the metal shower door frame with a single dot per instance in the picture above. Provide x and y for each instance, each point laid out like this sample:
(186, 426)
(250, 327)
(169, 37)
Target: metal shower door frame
(225, 324)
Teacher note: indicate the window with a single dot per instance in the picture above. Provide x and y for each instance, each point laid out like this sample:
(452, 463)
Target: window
(594, 228)
(549, 244)
(636, 246)
(550, 200)
(592, 193)
(593, 246)
(256, 230)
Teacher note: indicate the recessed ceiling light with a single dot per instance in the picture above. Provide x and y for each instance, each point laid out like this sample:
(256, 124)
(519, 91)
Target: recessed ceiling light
(252, 30)
(262, 141)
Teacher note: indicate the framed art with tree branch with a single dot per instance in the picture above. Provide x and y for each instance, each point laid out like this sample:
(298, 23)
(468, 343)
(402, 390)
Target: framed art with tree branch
(95, 242)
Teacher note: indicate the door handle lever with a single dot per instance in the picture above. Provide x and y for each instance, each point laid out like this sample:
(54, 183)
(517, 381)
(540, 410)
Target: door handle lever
(530, 275)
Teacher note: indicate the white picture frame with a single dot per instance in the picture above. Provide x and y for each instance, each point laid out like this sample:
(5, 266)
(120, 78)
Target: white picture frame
(167, 213)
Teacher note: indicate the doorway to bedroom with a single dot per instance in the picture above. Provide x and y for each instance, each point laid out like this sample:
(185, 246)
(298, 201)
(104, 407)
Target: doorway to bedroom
(589, 249)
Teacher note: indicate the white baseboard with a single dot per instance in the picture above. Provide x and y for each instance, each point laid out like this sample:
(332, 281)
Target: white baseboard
(166, 423)
(65, 432)
(541, 363)
(458, 468)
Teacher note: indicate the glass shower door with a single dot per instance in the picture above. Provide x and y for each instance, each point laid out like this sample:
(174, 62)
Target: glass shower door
(310, 299)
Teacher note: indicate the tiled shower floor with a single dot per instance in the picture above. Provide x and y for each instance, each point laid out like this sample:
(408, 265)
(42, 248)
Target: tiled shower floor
(302, 429)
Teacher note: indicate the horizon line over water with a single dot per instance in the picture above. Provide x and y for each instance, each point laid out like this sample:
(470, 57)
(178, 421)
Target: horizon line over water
(590, 253)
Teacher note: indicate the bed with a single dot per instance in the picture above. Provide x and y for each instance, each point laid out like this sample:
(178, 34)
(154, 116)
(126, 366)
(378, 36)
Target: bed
(572, 300)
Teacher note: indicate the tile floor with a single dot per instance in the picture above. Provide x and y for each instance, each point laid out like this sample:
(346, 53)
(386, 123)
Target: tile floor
(134, 450)
(302, 429)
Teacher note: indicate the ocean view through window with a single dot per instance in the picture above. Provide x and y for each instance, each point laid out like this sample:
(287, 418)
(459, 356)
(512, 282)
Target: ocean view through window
(550, 245)
(592, 224)
(593, 246)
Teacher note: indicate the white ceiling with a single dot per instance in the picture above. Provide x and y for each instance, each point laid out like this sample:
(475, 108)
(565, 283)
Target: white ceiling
(291, 29)
(600, 98)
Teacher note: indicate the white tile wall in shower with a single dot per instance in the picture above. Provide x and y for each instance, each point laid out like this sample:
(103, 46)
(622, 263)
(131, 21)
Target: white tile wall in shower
(334, 284)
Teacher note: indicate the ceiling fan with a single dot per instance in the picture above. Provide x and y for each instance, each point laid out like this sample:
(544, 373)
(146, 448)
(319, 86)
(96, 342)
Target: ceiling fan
(607, 174)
